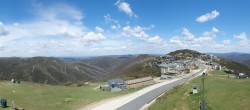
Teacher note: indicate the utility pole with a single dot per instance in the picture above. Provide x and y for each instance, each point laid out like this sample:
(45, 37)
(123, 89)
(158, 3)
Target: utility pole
(203, 102)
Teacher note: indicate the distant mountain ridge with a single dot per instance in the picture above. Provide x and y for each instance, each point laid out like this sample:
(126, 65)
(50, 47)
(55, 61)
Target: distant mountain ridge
(133, 66)
(61, 70)
(234, 56)
(48, 70)
(114, 63)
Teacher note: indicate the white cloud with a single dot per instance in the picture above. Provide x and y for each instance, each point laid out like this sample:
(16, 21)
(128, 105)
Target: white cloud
(56, 35)
(93, 37)
(219, 46)
(177, 42)
(54, 25)
(3, 31)
(149, 27)
(136, 31)
(140, 33)
(53, 32)
(59, 11)
(50, 22)
(207, 36)
(108, 48)
(125, 7)
(187, 34)
(40, 28)
(99, 29)
(206, 40)
(227, 41)
(211, 33)
(208, 16)
(215, 30)
(243, 41)
(155, 40)
(53, 29)
(15, 24)
(115, 27)
(109, 19)
(2, 46)
(241, 36)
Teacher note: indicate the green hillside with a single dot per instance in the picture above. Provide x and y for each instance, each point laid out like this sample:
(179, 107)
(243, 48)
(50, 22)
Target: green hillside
(34, 96)
(237, 67)
(48, 70)
(221, 93)
(147, 68)
(115, 63)
(126, 66)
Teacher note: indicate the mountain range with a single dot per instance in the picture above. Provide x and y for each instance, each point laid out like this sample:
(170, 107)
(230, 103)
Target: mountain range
(48, 70)
(243, 58)
(63, 70)
(52, 70)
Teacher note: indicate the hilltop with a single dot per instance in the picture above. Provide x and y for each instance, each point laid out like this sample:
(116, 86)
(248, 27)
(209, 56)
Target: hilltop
(185, 53)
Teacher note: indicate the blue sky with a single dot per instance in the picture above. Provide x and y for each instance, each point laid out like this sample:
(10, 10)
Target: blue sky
(111, 27)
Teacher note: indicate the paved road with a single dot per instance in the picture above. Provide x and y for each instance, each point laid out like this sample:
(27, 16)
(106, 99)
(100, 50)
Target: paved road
(139, 102)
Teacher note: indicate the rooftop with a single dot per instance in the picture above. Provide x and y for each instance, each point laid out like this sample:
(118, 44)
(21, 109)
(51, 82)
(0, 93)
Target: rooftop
(171, 65)
(118, 80)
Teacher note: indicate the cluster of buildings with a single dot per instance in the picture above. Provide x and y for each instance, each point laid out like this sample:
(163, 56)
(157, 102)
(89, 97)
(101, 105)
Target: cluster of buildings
(119, 84)
(229, 71)
(170, 67)
(214, 65)
(226, 70)
(242, 75)
(15, 81)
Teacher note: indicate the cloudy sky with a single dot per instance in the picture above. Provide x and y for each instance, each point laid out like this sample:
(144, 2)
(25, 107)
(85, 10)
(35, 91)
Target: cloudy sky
(111, 27)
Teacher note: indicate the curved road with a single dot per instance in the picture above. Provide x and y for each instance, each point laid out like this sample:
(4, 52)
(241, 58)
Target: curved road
(146, 98)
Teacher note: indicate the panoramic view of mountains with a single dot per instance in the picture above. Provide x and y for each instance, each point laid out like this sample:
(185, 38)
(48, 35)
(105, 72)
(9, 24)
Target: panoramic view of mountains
(124, 55)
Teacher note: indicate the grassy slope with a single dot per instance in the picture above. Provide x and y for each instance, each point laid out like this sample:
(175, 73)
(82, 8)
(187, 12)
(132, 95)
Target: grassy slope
(237, 67)
(145, 69)
(222, 93)
(45, 97)
(115, 63)
(48, 70)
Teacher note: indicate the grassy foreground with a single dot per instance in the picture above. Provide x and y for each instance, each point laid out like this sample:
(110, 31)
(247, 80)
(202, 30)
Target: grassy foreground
(46, 97)
(221, 93)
